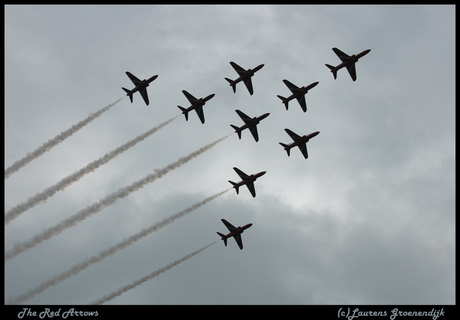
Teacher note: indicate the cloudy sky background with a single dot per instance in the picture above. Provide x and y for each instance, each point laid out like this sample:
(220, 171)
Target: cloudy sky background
(369, 218)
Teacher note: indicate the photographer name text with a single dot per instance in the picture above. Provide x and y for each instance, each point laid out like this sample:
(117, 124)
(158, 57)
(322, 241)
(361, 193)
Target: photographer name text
(393, 314)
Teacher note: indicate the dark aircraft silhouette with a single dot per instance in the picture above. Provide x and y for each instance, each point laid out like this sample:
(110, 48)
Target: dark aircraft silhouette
(347, 61)
(298, 93)
(250, 123)
(140, 85)
(245, 76)
(299, 141)
(247, 180)
(234, 232)
(197, 104)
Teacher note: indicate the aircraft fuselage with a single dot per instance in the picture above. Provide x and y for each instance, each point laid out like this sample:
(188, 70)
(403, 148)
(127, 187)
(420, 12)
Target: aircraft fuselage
(239, 230)
(301, 91)
(251, 178)
(200, 102)
(255, 121)
(144, 84)
(304, 139)
(249, 73)
(353, 59)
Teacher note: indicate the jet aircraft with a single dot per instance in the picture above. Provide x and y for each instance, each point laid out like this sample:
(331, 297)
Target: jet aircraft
(245, 76)
(140, 85)
(234, 232)
(298, 93)
(347, 61)
(197, 104)
(299, 141)
(250, 123)
(246, 180)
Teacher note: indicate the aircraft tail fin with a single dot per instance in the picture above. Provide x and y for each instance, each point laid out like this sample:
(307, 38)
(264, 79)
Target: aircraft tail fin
(288, 150)
(333, 70)
(237, 130)
(129, 94)
(284, 101)
(236, 186)
(232, 83)
(185, 112)
(223, 238)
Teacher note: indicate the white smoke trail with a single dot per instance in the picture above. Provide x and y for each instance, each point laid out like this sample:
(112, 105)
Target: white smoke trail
(67, 181)
(108, 252)
(155, 273)
(103, 203)
(56, 140)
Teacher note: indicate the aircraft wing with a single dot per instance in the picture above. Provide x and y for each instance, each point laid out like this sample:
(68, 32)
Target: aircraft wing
(243, 116)
(238, 69)
(303, 149)
(133, 78)
(190, 98)
(342, 55)
(238, 240)
(229, 226)
(144, 95)
(200, 113)
(302, 102)
(248, 83)
(251, 188)
(291, 86)
(352, 71)
(293, 135)
(254, 132)
(242, 175)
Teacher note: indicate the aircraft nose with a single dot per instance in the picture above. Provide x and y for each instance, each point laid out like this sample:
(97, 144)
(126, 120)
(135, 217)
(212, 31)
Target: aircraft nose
(260, 66)
(152, 78)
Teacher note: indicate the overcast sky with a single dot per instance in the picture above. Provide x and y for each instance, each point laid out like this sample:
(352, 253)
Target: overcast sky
(368, 218)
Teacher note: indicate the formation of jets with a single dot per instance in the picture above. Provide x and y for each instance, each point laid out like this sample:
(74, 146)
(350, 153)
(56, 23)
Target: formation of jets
(245, 76)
